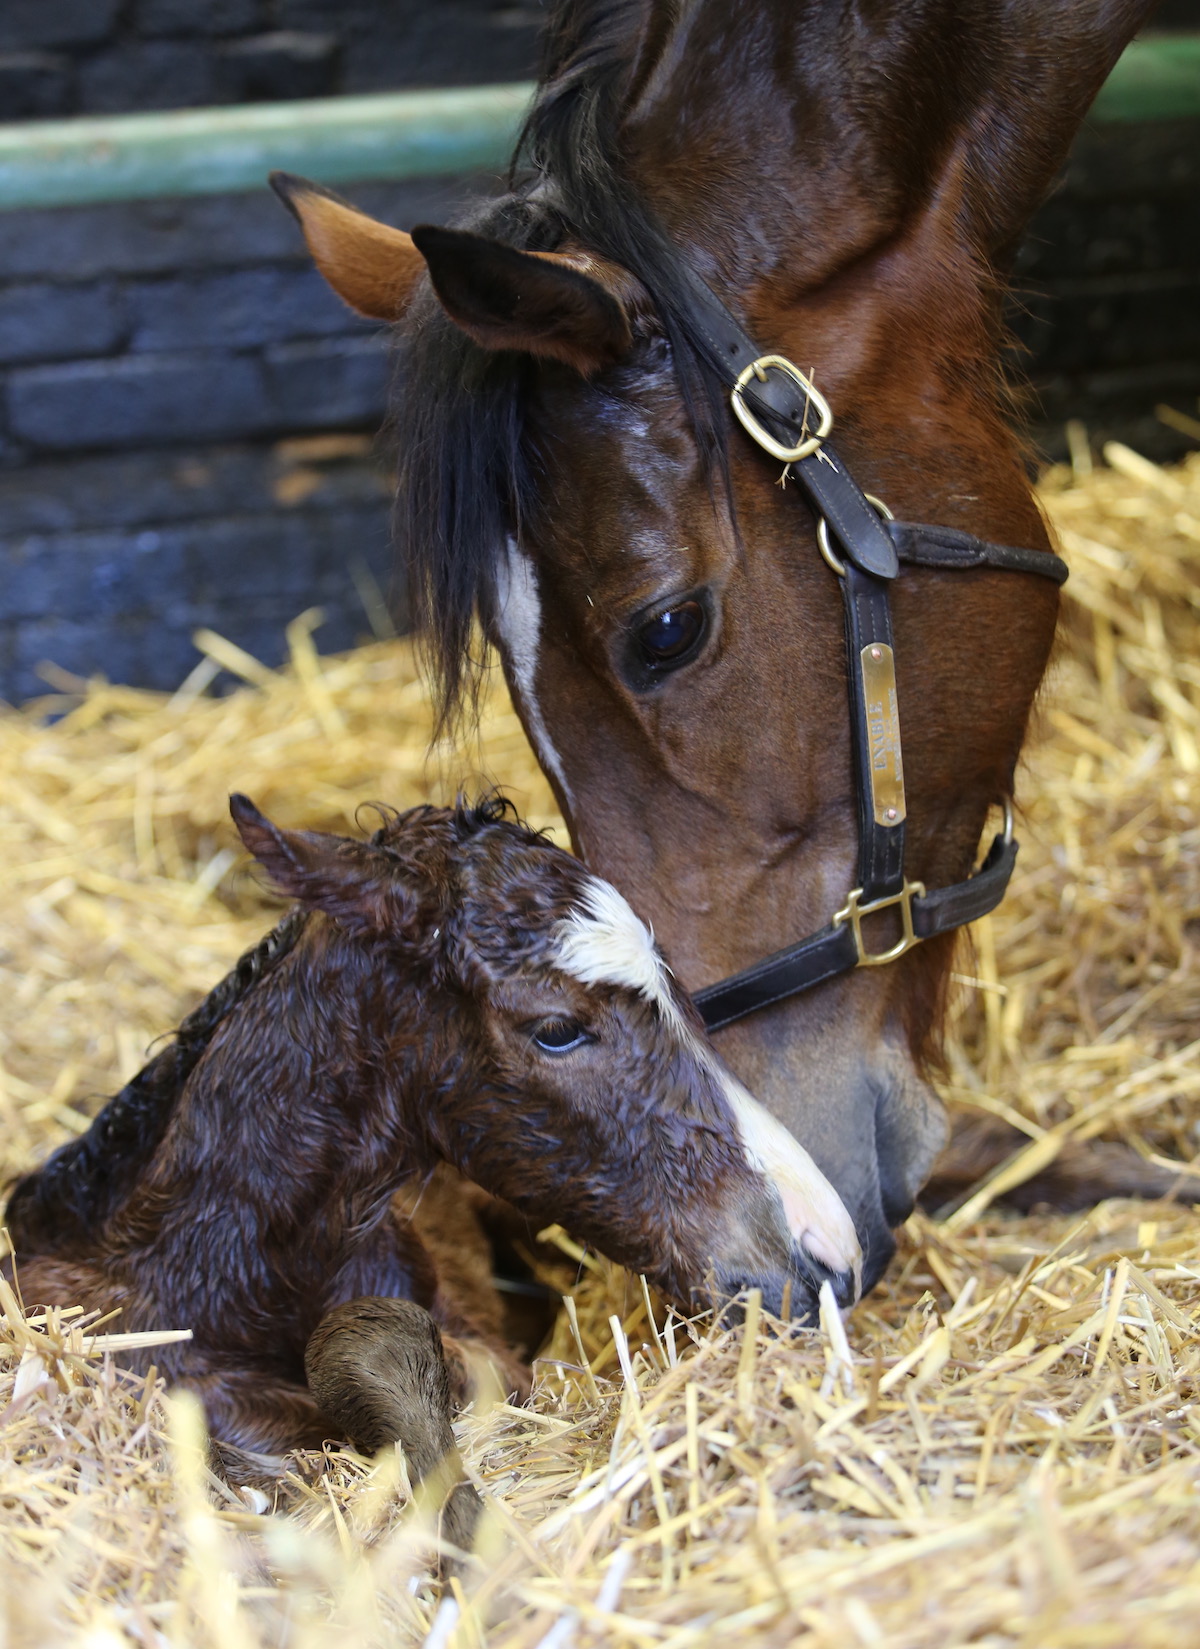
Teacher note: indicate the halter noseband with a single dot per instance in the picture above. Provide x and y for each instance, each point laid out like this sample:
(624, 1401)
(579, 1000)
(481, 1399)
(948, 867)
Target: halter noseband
(775, 403)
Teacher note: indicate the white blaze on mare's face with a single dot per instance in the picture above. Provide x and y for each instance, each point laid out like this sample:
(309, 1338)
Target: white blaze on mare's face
(519, 620)
(603, 942)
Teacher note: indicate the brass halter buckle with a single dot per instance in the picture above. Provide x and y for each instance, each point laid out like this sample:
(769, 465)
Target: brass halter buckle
(752, 425)
(853, 912)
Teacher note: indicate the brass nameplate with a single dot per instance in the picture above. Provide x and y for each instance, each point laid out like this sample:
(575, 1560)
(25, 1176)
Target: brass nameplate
(884, 761)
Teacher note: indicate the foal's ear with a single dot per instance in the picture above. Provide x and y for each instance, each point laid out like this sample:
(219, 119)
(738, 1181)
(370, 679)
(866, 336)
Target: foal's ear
(370, 266)
(1048, 60)
(348, 880)
(539, 302)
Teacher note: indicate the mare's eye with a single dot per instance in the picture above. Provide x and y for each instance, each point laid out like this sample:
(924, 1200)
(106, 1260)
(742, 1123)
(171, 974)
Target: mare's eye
(670, 637)
(559, 1036)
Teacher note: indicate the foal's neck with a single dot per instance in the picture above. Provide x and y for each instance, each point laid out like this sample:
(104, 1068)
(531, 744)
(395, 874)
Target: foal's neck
(292, 1132)
(60, 1207)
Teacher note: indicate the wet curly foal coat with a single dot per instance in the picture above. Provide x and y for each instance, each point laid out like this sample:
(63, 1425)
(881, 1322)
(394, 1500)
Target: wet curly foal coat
(454, 990)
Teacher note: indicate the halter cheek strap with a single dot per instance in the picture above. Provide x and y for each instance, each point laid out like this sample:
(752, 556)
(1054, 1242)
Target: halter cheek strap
(784, 413)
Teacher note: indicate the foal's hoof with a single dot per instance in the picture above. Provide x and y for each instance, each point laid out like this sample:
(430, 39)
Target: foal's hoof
(376, 1368)
(459, 1519)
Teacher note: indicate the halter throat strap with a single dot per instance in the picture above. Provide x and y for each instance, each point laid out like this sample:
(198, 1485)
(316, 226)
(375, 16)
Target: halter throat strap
(781, 409)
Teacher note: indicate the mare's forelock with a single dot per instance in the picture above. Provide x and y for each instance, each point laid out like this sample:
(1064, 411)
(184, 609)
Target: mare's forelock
(466, 479)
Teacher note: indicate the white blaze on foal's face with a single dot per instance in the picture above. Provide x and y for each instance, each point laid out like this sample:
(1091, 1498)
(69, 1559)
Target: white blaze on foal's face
(604, 942)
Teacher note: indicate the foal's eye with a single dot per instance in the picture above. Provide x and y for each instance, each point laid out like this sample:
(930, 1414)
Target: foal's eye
(670, 637)
(559, 1036)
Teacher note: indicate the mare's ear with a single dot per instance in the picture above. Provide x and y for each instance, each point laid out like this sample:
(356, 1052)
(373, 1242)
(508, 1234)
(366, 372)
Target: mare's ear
(538, 302)
(1048, 59)
(370, 266)
(348, 880)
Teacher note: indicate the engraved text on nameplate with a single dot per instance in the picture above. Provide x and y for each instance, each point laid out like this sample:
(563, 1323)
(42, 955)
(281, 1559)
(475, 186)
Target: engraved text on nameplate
(884, 762)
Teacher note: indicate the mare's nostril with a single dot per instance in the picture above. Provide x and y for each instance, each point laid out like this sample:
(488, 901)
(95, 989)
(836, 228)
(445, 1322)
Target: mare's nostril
(733, 1313)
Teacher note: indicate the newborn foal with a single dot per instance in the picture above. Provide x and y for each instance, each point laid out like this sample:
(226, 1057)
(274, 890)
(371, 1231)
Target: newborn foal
(455, 989)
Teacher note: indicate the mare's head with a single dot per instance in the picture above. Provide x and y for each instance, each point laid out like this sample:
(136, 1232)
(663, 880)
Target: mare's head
(544, 1050)
(851, 177)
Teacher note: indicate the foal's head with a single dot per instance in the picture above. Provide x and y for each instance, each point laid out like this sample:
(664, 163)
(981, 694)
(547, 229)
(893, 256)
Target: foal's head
(543, 1048)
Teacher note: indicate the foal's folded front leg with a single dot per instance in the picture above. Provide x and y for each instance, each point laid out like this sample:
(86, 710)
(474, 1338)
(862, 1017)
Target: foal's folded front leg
(377, 1368)
(256, 1412)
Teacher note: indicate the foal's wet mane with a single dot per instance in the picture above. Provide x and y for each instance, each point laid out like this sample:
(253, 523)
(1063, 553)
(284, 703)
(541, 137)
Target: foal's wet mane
(466, 480)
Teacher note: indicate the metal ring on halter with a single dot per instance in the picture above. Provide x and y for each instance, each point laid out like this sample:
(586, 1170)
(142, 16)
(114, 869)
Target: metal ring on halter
(823, 544)
(1006, 804)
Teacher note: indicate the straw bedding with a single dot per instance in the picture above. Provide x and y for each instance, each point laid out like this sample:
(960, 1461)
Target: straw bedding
(999, 1447)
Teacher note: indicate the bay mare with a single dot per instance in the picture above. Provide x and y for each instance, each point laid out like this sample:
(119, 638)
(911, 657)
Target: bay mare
(851, 177)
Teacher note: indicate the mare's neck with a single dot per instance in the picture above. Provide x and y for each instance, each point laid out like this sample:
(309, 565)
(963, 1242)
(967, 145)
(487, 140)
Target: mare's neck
(774, 143)
(816, 173)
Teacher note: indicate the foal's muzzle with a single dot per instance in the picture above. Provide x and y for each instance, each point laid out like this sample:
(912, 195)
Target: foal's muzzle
(792, 1299)
(791, 1293)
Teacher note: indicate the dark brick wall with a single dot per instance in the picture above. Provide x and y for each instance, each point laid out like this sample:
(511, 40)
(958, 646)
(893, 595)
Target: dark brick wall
(1175, 15)
(187, 415)
(171, 370)
(65, 57)
(113, 562)
(187, 421)
(1107, 307)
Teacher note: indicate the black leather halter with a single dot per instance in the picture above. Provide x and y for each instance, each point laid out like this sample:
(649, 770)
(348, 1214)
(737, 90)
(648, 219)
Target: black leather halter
(777, 404)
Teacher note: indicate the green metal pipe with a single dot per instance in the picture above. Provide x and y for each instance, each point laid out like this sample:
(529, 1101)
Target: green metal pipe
(390, 135)
(208, 151)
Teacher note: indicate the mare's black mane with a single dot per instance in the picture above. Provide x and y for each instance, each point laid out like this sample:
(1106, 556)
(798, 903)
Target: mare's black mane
(466, 479)
(80, 1186)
